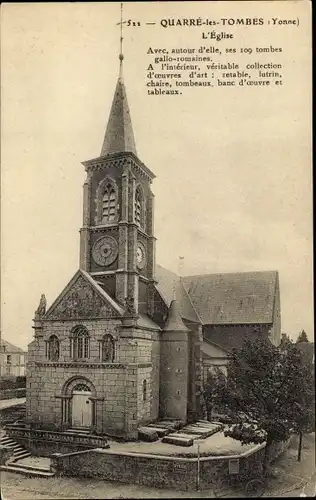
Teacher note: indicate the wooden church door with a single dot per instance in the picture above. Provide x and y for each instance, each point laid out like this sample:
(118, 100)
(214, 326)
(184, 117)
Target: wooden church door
(81, 407)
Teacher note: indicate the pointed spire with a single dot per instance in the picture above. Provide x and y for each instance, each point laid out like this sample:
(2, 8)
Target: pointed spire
(119, 135)
(174, 321)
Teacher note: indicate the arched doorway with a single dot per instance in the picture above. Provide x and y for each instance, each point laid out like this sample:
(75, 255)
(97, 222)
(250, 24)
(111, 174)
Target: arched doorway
(81, 411)
(78, 403)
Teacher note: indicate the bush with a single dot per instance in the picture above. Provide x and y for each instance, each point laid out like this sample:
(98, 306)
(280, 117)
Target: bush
(13, 393)
(7, 383)
(12, 382)
(20, 381)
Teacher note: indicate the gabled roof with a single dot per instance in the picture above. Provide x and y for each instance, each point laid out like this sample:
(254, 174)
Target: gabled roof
(83, 297)
(215, 299)
(8, 347)
(119, 135)
(233, 298)
(169, 284)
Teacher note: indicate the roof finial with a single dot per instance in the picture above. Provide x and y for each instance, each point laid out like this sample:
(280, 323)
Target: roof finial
(180, 266)
(121, 56)
(174, 290)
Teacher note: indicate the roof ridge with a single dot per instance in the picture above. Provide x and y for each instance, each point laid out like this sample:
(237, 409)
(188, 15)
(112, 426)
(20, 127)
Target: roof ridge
(230, 272)
(187, 294)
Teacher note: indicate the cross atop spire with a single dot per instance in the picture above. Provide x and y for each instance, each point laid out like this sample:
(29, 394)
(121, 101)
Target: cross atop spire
(121, 55)
(119, 135)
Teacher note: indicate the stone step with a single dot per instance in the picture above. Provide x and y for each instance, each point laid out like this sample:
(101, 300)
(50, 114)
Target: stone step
(178, 441)
(8, 443)
(21, 469)
(22, 454)
(19, 451)
(16, 447)
(32, 467)
(6, 439)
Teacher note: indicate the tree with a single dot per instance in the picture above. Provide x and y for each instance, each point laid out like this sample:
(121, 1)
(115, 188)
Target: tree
(213, 387)
(265, 393)
(302, 337)
(285, 339)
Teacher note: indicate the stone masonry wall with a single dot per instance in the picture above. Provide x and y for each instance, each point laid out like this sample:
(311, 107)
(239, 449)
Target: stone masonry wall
(118, 387)
(161, 471)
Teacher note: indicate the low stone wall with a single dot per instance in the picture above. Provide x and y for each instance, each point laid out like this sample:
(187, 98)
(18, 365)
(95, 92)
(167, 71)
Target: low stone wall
(45, 443)
(13, 393)
(160, 471)
(150, 470)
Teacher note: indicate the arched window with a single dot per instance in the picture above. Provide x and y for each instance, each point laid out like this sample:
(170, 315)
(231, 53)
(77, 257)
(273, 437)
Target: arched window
(139, 207)
(52, 348)
(81, 387)
(144, 390)
(107, 349)
(109, 202)
(81, 341)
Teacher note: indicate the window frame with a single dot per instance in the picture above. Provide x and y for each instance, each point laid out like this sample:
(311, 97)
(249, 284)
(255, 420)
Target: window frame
(80, 343)
(107, 186)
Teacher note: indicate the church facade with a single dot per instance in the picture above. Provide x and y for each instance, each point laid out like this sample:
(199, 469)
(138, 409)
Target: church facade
(124, 342)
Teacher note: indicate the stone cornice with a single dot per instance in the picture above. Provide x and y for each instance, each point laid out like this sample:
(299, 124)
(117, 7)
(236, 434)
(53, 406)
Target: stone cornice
(119, 160)
(81, 318)
(107, 366)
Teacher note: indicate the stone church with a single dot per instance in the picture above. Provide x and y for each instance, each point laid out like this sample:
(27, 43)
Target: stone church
(127, 341)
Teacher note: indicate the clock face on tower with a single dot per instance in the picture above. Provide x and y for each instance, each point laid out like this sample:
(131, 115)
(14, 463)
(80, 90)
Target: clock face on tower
(140, 255)
(105, 251)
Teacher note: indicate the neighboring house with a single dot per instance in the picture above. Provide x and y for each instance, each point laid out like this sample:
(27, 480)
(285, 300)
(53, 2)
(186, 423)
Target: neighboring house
(12, 359)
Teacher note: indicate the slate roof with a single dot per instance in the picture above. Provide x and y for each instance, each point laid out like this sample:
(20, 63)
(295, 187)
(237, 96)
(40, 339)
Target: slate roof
(119, 135)
(167, 282)
(229, 298)
(9, 347)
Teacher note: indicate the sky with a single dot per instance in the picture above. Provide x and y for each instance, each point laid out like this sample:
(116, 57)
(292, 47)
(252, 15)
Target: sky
(233, 166)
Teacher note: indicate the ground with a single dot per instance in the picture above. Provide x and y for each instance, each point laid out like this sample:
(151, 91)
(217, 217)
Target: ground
(215, 445)
(6, 403)
(292, 478)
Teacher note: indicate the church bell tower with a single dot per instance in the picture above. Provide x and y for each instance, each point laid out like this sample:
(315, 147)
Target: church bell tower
(117, 243)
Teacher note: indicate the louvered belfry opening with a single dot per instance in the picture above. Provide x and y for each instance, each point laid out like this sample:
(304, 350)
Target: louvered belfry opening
(109, 204)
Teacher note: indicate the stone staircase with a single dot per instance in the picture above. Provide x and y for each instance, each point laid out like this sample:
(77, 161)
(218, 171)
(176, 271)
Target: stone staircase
(15, 462)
